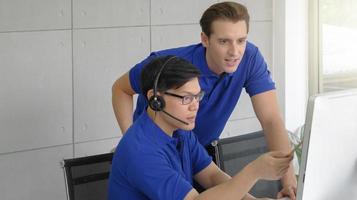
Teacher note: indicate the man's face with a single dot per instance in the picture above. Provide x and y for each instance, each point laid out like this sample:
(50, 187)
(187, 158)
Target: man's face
(174, 105)
(225, 46)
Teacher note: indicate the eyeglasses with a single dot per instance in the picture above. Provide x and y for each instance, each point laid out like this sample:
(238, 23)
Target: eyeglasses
(187, 99)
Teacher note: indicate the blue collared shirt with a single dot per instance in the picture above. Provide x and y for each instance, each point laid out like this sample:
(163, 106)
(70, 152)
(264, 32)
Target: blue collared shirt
(149, 164)
(221, 92)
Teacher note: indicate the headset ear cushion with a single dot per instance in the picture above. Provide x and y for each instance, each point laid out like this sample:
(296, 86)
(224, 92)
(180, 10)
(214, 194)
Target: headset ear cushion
(157, 103)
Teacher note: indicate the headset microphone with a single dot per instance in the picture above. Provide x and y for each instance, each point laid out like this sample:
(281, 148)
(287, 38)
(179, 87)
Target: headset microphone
(156, 102)
(173, 117)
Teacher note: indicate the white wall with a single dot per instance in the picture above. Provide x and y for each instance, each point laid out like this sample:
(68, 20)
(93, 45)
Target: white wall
(290, 50)
(58, 61)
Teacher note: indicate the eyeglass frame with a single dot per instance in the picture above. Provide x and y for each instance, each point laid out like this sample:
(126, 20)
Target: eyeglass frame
(198, 97)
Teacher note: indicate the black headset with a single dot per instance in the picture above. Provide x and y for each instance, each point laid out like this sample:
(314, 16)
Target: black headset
(156, 102)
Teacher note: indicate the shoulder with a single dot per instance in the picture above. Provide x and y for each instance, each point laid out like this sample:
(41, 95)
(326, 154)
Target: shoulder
(251, 49)
(136, 141)
(252, 56)
(185, 52)
(133, 151)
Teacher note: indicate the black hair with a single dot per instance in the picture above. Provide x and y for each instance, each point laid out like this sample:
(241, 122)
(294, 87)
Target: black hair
(176, 72)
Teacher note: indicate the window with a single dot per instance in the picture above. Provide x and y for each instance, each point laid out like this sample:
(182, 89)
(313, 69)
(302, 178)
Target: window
(334, 40)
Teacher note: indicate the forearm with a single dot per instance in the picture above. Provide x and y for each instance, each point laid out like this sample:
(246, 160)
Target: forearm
(235, 188)
(123, 107)
(267, 110)
(249, 197)
(124, 112)
(213, 176)
(276, 136)
(219, 178)
(277, 139)
(224, 178)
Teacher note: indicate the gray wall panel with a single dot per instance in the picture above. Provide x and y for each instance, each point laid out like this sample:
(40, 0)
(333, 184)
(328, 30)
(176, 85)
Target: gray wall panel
(109, 13)
(34, 175)
(100, 57)
(36, 90)
(241, 127)
(20, 15)
(174, 36)
(95, 147)
(261, 35)
(178, 12)
(259, 10)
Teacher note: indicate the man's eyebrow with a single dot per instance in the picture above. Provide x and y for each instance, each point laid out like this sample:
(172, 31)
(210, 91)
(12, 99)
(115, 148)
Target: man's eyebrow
(229, 39)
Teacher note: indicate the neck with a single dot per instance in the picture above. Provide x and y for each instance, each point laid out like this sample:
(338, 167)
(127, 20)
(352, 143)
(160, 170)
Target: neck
(160, 122)
(211, 66)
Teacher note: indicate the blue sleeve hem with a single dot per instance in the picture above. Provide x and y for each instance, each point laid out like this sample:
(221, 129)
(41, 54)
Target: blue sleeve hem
(184, 192)
(133, 81)
(203, 165)
(260, 87)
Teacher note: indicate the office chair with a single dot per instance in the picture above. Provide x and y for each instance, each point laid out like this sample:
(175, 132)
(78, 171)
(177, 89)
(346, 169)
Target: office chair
(234, 153)
(87, 177)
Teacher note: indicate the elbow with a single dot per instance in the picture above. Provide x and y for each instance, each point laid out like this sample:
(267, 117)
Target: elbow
(117, 89)
(115, 86)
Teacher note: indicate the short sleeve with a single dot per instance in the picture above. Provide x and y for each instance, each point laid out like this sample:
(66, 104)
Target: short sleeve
(151, 174)
(259, 78)
(200, 157)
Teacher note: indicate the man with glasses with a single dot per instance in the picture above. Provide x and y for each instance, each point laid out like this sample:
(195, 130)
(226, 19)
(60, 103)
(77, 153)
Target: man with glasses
(159, 156)
(187, 99)
(228, 63)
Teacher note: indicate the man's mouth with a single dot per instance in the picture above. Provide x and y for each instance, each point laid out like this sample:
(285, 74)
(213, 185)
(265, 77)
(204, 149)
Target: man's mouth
(232, 62)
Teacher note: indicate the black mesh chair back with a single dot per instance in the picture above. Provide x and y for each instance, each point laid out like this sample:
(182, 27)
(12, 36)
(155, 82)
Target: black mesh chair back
(233, 154)
(87, 177)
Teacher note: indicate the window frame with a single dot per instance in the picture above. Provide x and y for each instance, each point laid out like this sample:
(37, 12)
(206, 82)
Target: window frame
(317, 80)
(315, 76)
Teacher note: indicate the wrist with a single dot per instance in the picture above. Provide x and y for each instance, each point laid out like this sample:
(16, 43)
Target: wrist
(289, 179)
(252, 171)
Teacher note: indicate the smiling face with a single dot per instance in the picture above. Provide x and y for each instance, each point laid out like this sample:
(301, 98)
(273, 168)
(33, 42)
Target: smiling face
(225, 46)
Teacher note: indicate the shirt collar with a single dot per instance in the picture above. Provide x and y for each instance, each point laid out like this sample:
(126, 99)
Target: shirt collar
(155, 133)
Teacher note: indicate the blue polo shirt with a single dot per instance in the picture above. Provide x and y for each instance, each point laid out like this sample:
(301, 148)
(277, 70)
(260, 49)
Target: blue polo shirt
(149, 164)
(222, 92)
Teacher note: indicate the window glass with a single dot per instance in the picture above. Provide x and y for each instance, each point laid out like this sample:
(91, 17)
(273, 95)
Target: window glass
(338, 44)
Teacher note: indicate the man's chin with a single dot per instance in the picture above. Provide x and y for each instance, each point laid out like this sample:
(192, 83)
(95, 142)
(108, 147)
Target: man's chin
(230, 70)
(188, 127)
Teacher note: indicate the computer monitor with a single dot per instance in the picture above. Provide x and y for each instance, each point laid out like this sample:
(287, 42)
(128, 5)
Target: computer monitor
(328, 168)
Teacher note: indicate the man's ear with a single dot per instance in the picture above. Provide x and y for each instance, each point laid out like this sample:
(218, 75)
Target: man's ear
(204, 39)
(150, 93)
